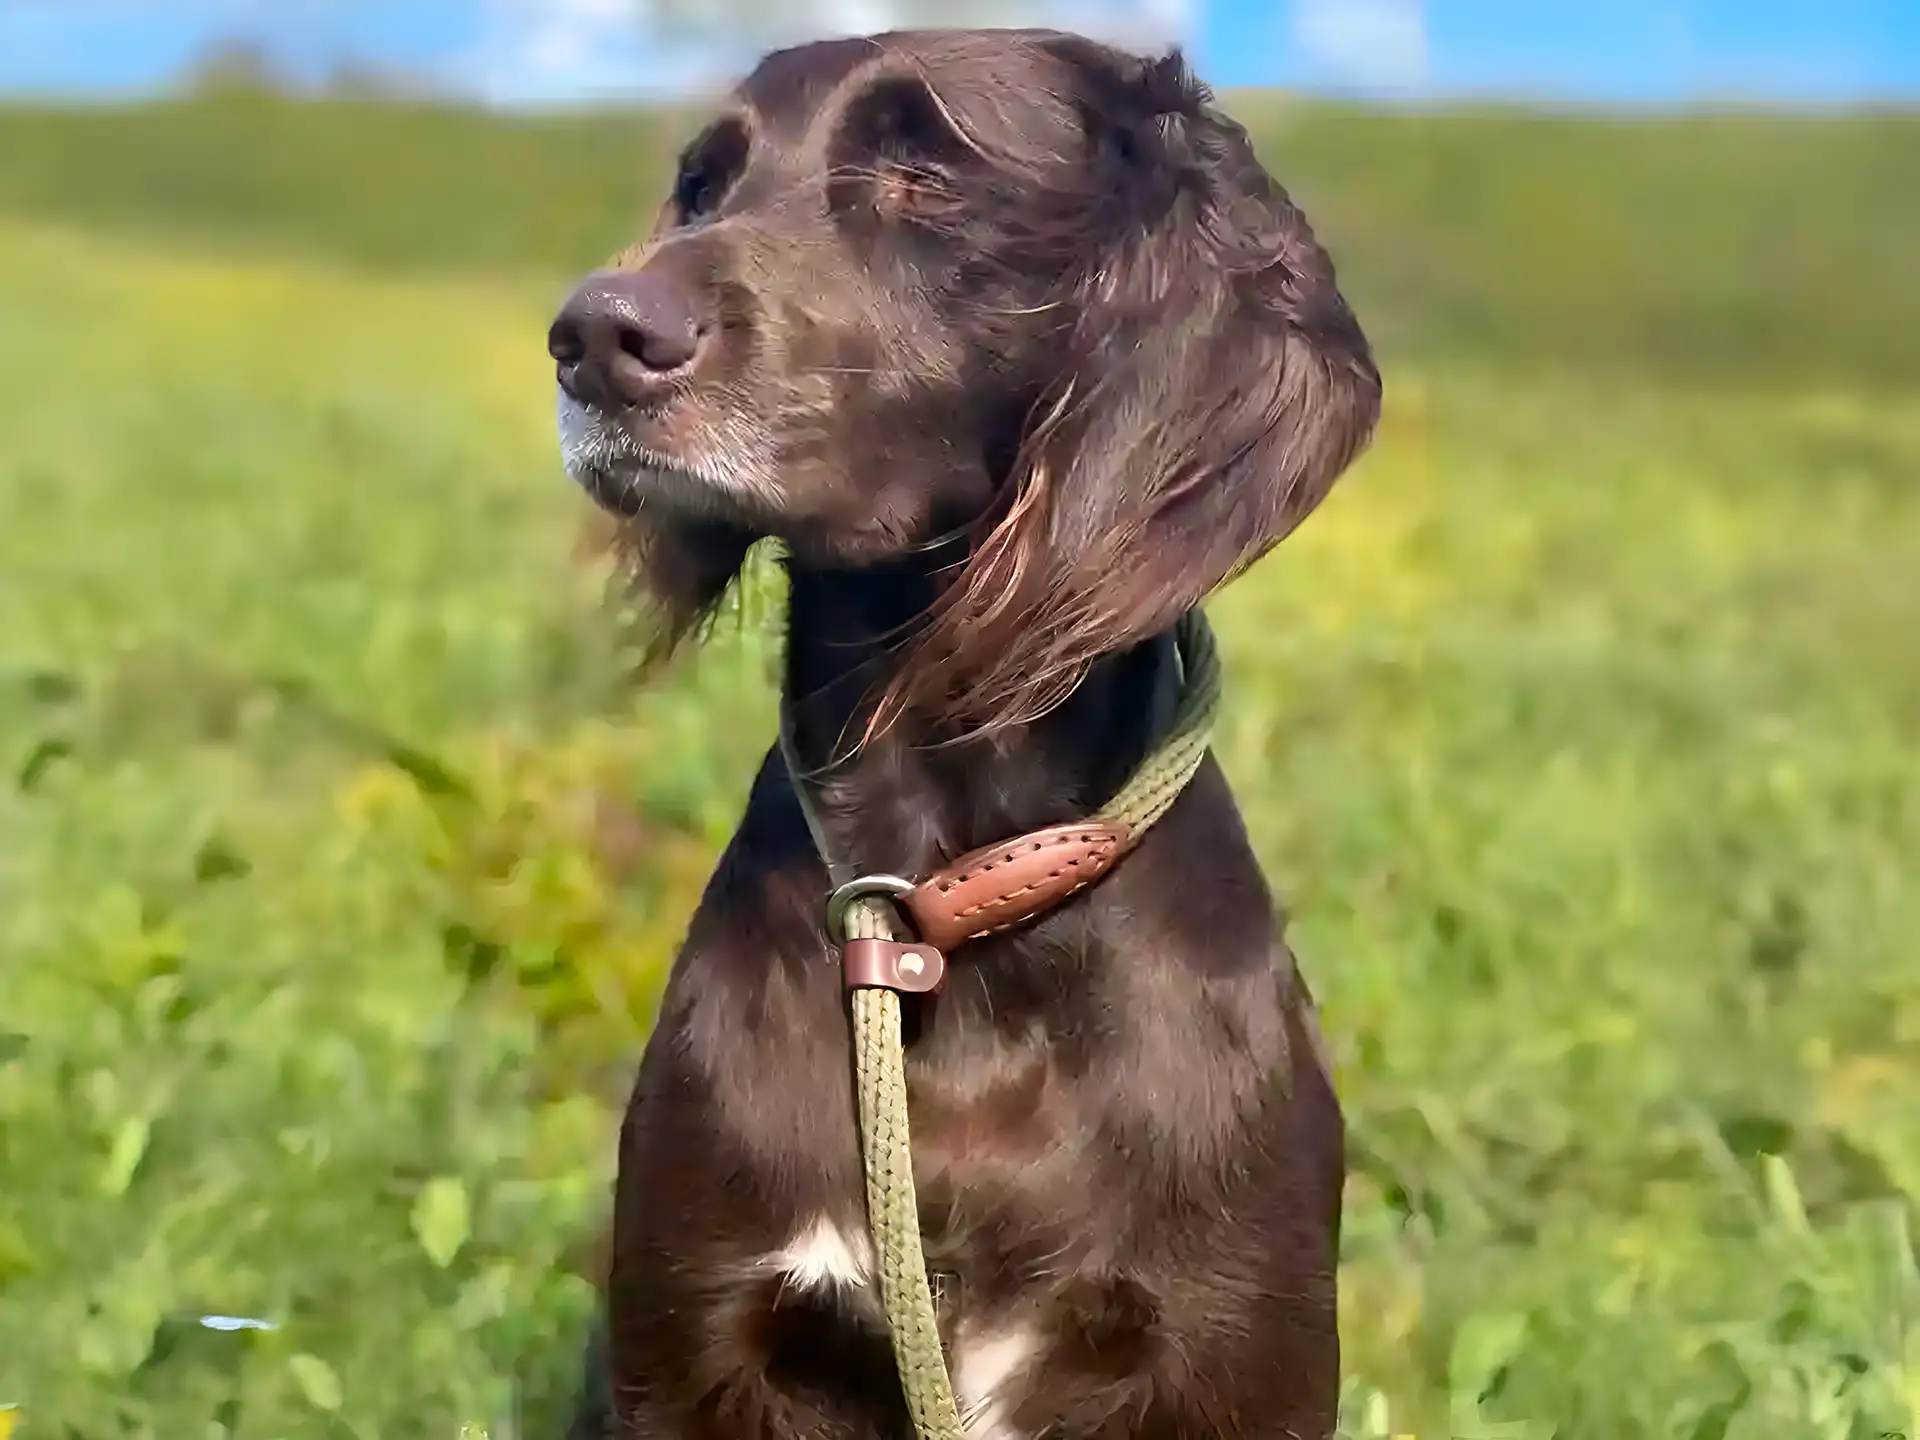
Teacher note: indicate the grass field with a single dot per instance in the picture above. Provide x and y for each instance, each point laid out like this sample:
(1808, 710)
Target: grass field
(1579, 729)
(1751, 248)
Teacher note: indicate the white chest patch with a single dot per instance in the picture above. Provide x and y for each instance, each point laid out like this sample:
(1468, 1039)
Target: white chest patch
(825, 1256)
(985, 1366)
(986, 1362)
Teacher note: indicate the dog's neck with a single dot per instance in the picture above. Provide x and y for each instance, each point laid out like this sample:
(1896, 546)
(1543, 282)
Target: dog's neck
(915, 796)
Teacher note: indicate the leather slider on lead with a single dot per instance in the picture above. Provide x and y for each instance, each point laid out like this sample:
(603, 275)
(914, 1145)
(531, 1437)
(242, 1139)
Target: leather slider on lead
(909, 967)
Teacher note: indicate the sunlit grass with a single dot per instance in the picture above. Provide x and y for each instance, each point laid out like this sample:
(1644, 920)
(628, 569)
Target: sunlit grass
(1752, 247)
(1578, 729)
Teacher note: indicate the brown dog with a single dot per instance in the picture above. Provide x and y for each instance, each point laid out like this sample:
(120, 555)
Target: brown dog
(1011, 342)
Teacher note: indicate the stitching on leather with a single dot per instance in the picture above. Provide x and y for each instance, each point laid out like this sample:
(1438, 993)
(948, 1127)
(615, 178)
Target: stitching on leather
(1046, 880)
(1022, 919)
(1003, 857)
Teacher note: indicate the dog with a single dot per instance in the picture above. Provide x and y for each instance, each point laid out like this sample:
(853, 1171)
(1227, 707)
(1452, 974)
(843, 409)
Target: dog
(1011, 344)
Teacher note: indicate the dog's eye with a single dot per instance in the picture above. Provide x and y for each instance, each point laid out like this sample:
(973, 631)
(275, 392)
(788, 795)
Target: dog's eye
(694, 193)
(708, 170)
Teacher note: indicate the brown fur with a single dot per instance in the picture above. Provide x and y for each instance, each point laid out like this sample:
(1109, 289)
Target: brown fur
(1037, 296)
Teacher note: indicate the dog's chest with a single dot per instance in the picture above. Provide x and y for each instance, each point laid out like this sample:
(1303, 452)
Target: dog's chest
(1003, 1222)
(991, 1353)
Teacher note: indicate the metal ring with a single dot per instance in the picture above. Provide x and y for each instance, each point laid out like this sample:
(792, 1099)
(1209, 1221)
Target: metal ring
(858, 889)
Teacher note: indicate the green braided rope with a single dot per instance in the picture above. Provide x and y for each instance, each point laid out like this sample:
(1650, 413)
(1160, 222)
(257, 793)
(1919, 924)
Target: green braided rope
(1154, 787)
(893, 1206)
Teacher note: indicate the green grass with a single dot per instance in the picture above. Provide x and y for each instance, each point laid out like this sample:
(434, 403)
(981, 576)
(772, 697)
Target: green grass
(1750, 247)
(1578, 728)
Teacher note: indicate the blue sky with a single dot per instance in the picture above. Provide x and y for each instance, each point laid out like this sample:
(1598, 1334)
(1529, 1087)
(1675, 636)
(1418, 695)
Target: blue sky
(547, 51)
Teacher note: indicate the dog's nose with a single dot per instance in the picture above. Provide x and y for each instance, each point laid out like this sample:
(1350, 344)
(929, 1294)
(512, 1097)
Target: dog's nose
(621, 335)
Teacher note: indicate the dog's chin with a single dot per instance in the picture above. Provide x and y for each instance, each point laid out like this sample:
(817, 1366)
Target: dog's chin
(622, 474)
(625, 486)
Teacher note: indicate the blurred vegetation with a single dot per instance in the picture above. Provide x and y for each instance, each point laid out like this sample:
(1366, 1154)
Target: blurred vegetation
(339, 865)
(1745, 246)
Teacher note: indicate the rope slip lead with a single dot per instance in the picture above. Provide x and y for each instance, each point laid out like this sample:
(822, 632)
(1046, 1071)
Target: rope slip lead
(864, 921)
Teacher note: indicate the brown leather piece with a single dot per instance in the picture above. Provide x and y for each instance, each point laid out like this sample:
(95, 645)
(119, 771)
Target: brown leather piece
(892, 965)
(999, 886)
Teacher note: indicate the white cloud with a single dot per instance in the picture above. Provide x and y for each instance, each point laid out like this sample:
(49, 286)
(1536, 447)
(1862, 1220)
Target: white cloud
(541, 52)
(1367, 44)
(1138, 24)
(563, 51)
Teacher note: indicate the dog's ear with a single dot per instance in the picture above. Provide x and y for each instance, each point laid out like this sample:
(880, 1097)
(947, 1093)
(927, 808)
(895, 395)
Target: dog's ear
(1213, 386)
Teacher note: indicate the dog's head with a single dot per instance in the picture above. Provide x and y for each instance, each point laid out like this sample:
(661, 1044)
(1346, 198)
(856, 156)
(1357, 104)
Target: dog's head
(1007, 278)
